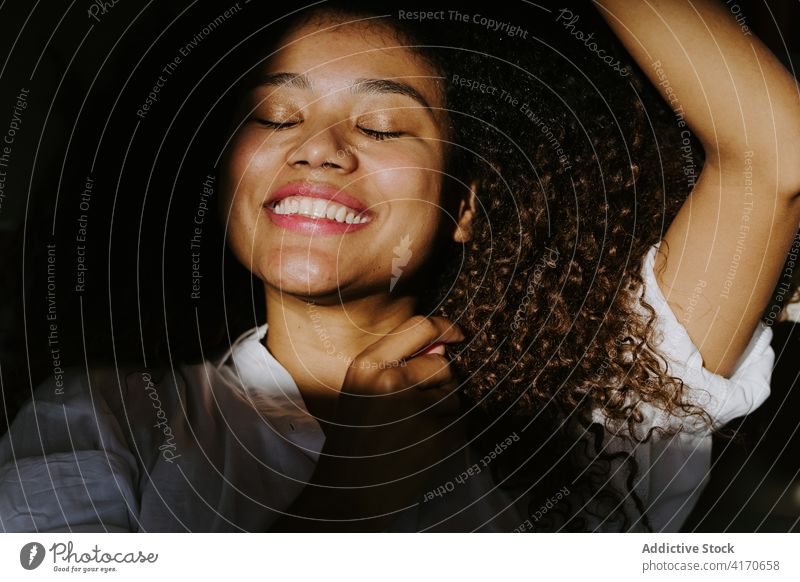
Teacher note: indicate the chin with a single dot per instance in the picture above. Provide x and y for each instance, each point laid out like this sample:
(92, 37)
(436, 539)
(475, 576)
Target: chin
(303, 277)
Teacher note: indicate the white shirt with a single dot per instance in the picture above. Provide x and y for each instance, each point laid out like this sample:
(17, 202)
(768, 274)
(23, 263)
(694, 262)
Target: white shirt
(228, 444)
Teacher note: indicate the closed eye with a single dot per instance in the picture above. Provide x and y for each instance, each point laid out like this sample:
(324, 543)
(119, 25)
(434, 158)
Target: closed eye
(275, 124)
(373, 133)
(380, 135)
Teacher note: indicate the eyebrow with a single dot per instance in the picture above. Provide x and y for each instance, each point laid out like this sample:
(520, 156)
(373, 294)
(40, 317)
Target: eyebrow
(371, 86)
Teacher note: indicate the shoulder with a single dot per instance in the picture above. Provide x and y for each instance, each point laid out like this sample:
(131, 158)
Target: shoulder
(72, 409)
(102, 396)
(64, 462)
(102, 386)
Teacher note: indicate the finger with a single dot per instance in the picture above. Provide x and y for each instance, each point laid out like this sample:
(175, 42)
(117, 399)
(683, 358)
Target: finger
(413, 336)
(425, 372)
(435, 348)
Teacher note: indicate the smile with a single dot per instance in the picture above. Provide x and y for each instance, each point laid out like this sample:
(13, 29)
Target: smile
(318, 208)
(313, 208)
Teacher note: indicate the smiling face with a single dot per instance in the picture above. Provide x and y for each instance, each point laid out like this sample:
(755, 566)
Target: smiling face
(334, 180)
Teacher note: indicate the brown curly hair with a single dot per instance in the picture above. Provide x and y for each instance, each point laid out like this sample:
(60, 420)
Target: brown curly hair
(579, 173)
(574, 188)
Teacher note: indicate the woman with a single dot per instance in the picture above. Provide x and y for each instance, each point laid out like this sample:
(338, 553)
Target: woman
(591, 354)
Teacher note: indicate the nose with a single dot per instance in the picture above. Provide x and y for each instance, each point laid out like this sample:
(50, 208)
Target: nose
(322, 149)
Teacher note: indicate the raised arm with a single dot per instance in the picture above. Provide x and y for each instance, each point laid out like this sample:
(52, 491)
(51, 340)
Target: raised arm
(724, 252)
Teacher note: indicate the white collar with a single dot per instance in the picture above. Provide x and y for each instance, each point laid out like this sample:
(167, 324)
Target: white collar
(257, 367)
(271, 388)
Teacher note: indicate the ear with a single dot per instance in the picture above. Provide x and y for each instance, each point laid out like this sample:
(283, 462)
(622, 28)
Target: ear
(466, 214)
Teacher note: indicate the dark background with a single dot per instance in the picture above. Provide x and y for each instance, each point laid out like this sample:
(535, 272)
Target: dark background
(86, 81)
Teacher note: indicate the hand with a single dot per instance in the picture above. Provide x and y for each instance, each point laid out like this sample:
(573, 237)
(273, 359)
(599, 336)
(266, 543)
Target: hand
(397, 413)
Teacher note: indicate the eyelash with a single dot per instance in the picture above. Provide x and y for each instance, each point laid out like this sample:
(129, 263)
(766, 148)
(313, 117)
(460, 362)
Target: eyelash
(377, 135)
(276, 124)
(381, 135)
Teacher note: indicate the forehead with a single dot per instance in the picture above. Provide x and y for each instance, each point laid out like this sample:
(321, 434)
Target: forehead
(333, 55)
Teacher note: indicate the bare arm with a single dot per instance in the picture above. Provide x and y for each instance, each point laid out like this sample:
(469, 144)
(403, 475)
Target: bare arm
(724, 252)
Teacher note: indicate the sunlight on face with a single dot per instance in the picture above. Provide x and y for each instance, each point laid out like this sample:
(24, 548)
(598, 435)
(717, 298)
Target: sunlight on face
(345, 114)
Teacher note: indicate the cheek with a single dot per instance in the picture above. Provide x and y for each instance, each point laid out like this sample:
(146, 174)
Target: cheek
(412, 176)
(252, 162)
(247, 171)
(412, 212)
(412, 192)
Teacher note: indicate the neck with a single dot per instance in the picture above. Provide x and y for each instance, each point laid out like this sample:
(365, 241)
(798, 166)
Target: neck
(316, 342)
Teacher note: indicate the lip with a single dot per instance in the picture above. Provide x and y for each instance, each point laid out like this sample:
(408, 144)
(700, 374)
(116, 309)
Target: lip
(316, 190)
(319, 226)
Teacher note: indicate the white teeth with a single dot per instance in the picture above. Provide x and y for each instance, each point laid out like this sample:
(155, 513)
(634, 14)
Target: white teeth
(318, 208)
